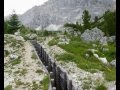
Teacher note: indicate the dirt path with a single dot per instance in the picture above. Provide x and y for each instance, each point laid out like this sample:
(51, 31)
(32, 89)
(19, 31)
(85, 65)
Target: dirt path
(28, 53)
(21, 76)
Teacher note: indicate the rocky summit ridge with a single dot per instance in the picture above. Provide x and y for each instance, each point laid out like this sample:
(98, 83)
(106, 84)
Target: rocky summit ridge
(59, 12)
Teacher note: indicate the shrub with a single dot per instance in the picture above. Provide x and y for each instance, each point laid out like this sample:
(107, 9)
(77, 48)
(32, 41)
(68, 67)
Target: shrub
(6, 53)
(39, 71)
(18, 82)
(16, 61)
(53, 42)
(23, 72)
(45, 33)
(101, 87)
(34, 56)
(9, 87)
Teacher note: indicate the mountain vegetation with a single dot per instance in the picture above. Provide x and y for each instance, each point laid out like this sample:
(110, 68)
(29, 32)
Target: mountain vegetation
(12, 25)
(107, 23)
(88, 54)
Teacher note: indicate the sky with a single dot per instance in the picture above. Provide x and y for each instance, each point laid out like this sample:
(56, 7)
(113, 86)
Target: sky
(20, 6)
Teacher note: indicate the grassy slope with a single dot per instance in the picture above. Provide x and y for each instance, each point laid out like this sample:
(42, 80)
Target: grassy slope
(77, 50)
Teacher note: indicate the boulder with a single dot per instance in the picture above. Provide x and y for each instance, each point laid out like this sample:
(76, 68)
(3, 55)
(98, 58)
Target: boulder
(112, 39)
(104, 40)
(113, 63)
(92, 35)
(95, 55)
(19, 38)
(113, 87)
(103, 60)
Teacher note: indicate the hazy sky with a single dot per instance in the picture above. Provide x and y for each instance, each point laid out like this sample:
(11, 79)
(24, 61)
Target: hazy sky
(20, 6)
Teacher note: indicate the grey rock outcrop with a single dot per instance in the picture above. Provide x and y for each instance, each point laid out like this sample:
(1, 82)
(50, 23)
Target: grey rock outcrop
(92, 35)
(104, 40)
(59, 12)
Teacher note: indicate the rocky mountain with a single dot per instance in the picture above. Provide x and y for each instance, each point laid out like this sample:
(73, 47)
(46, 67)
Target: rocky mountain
(58, 12)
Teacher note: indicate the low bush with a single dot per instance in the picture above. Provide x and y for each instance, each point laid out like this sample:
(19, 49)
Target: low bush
(101, 87)
(9, 87)
(16, 61)
(53, 42)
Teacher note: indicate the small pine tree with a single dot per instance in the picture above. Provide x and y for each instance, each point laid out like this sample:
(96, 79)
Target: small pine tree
(86, 20)
(109, 23)
(14, 24)
(96, 19)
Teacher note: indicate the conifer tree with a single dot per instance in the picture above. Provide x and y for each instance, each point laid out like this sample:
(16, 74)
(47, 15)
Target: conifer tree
(14, 23)
(109, 24)
(86, 20)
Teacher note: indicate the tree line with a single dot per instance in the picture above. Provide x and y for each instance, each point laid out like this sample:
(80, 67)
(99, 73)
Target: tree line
(107, 23)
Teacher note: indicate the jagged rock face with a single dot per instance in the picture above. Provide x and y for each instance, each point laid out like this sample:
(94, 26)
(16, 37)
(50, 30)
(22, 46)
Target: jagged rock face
(58, 12)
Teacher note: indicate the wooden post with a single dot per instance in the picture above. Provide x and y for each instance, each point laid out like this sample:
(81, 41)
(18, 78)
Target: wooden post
(54, 72)
(52, 82)
(70, 85)
(46, 59)
(41, 52)
(46, 67)
(58, 78)
(42, 57)
(49, 65)
(65, 81)
(51, 74)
